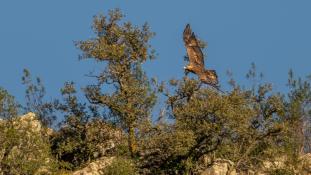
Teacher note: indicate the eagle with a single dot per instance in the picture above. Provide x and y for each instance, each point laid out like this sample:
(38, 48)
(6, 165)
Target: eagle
(196, 59)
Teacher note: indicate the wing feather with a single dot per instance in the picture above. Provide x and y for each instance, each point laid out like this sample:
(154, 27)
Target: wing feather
(194, 51)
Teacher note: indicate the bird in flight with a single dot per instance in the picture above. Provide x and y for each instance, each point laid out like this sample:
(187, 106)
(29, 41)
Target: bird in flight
(196, 59)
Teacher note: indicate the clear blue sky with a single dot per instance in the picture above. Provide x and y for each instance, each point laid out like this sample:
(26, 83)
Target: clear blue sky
(39, 35)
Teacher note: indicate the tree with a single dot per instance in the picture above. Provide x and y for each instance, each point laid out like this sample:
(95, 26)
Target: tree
(9, 108)
(123, 48)
(298, 113)
(245, 127)
(81, 133)
(35, 93)
(69, 144)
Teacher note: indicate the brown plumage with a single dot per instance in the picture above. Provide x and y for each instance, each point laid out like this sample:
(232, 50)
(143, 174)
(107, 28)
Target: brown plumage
(196, 59)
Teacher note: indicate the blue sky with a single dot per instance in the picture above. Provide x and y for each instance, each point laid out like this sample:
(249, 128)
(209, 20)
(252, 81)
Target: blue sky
(39, 35)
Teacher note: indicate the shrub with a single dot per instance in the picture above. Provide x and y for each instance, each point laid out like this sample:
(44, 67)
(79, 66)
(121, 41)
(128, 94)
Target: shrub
(121, 166)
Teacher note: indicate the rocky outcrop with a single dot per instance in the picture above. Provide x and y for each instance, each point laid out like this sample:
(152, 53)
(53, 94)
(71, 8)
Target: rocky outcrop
(28, 122)
(108, 137)
(226, 167)
(305, 163)
(96, 167)
(24, 146)
(220, 167)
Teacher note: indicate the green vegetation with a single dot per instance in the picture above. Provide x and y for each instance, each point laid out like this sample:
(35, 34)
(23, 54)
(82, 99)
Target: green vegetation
(24, 149)
(251, 129)
(124, 48)
(120, 166)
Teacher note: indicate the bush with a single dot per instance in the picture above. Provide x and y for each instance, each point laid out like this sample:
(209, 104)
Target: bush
(24, 149)
(77, 145)
(121, 166)
(281, 172)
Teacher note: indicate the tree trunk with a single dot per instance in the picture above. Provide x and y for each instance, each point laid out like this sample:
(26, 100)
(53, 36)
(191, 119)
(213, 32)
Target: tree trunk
(132, 141)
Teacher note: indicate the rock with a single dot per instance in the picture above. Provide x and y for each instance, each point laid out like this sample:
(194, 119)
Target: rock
(109, 136)
(30, 123)
(225, 167)
(25, 147)
(306, 162)
(26, 121)
(220, 167)
(277, 163)
(96, 167)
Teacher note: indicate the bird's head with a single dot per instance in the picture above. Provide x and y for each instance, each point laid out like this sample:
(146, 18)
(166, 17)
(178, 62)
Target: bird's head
(186, 70)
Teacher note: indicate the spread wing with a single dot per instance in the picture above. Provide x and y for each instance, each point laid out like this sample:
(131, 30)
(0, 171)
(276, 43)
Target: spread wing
(194, 51)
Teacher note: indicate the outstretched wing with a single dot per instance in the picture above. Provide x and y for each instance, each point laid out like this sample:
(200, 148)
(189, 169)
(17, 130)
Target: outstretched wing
(194, 51)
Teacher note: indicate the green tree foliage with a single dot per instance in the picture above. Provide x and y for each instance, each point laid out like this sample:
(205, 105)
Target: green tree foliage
(35, 92)
(82, 134)
(246, 127)
(8, 106)
(298, 117)
(70, 143)
(123, 47)
(121, 166)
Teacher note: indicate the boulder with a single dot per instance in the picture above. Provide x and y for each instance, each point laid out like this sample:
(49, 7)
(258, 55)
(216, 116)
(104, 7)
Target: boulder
(220, 167)
(96, 167)
(108, 137)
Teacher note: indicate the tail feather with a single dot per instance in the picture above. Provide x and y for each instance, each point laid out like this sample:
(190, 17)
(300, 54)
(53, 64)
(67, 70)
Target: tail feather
(209, 77)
